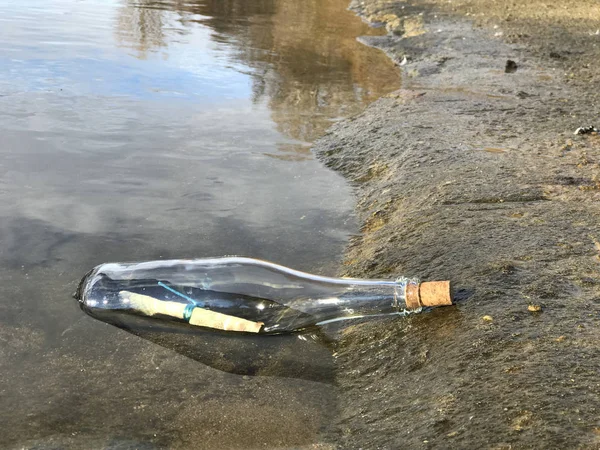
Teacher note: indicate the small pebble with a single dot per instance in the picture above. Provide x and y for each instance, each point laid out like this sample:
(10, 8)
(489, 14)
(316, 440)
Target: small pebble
(534, 308)
(511, 66)
(487, 318)
(590, 129)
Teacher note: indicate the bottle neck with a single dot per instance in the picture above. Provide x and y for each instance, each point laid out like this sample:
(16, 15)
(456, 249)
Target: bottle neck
(369, 298)
(407, 293)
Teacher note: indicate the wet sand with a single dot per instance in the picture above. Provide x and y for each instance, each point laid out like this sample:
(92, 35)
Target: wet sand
(472, 173)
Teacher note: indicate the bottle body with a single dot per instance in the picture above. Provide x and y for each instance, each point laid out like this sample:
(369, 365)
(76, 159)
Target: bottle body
(237, 294)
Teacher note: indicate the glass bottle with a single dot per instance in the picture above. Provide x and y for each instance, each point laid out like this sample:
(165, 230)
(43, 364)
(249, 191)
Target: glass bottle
(247, 295)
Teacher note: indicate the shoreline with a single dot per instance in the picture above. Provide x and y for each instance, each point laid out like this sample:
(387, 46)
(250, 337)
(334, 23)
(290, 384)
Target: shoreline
(473, 174)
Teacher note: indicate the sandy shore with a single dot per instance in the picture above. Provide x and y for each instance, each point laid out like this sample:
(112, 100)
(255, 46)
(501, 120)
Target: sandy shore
(472, 173)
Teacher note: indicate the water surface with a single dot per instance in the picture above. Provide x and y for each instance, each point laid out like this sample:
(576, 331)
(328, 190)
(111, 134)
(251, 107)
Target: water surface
(144, 130)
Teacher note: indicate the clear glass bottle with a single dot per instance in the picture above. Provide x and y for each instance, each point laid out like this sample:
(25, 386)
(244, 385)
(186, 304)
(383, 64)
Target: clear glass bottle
(247, 295)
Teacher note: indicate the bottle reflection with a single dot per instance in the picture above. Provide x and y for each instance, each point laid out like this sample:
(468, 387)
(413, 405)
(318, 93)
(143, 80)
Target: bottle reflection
(307, 356)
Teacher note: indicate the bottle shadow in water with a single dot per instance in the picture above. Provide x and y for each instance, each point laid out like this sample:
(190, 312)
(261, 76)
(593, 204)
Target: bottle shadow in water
(304, 355)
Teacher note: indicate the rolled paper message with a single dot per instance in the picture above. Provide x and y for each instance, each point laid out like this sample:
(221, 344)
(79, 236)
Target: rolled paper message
(201, 317)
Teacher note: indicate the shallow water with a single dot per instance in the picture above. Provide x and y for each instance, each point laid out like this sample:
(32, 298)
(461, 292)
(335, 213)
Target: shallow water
(144, 130)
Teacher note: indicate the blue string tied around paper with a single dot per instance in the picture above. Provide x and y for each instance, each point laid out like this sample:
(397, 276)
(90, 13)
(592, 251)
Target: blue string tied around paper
(187, 312)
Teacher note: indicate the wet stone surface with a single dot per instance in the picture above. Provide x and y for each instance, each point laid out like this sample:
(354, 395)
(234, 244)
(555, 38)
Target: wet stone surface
(462, 176)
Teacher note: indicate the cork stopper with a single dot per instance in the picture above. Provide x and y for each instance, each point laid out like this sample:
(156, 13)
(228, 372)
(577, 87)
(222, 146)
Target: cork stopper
(429, 293)
(435, 293)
